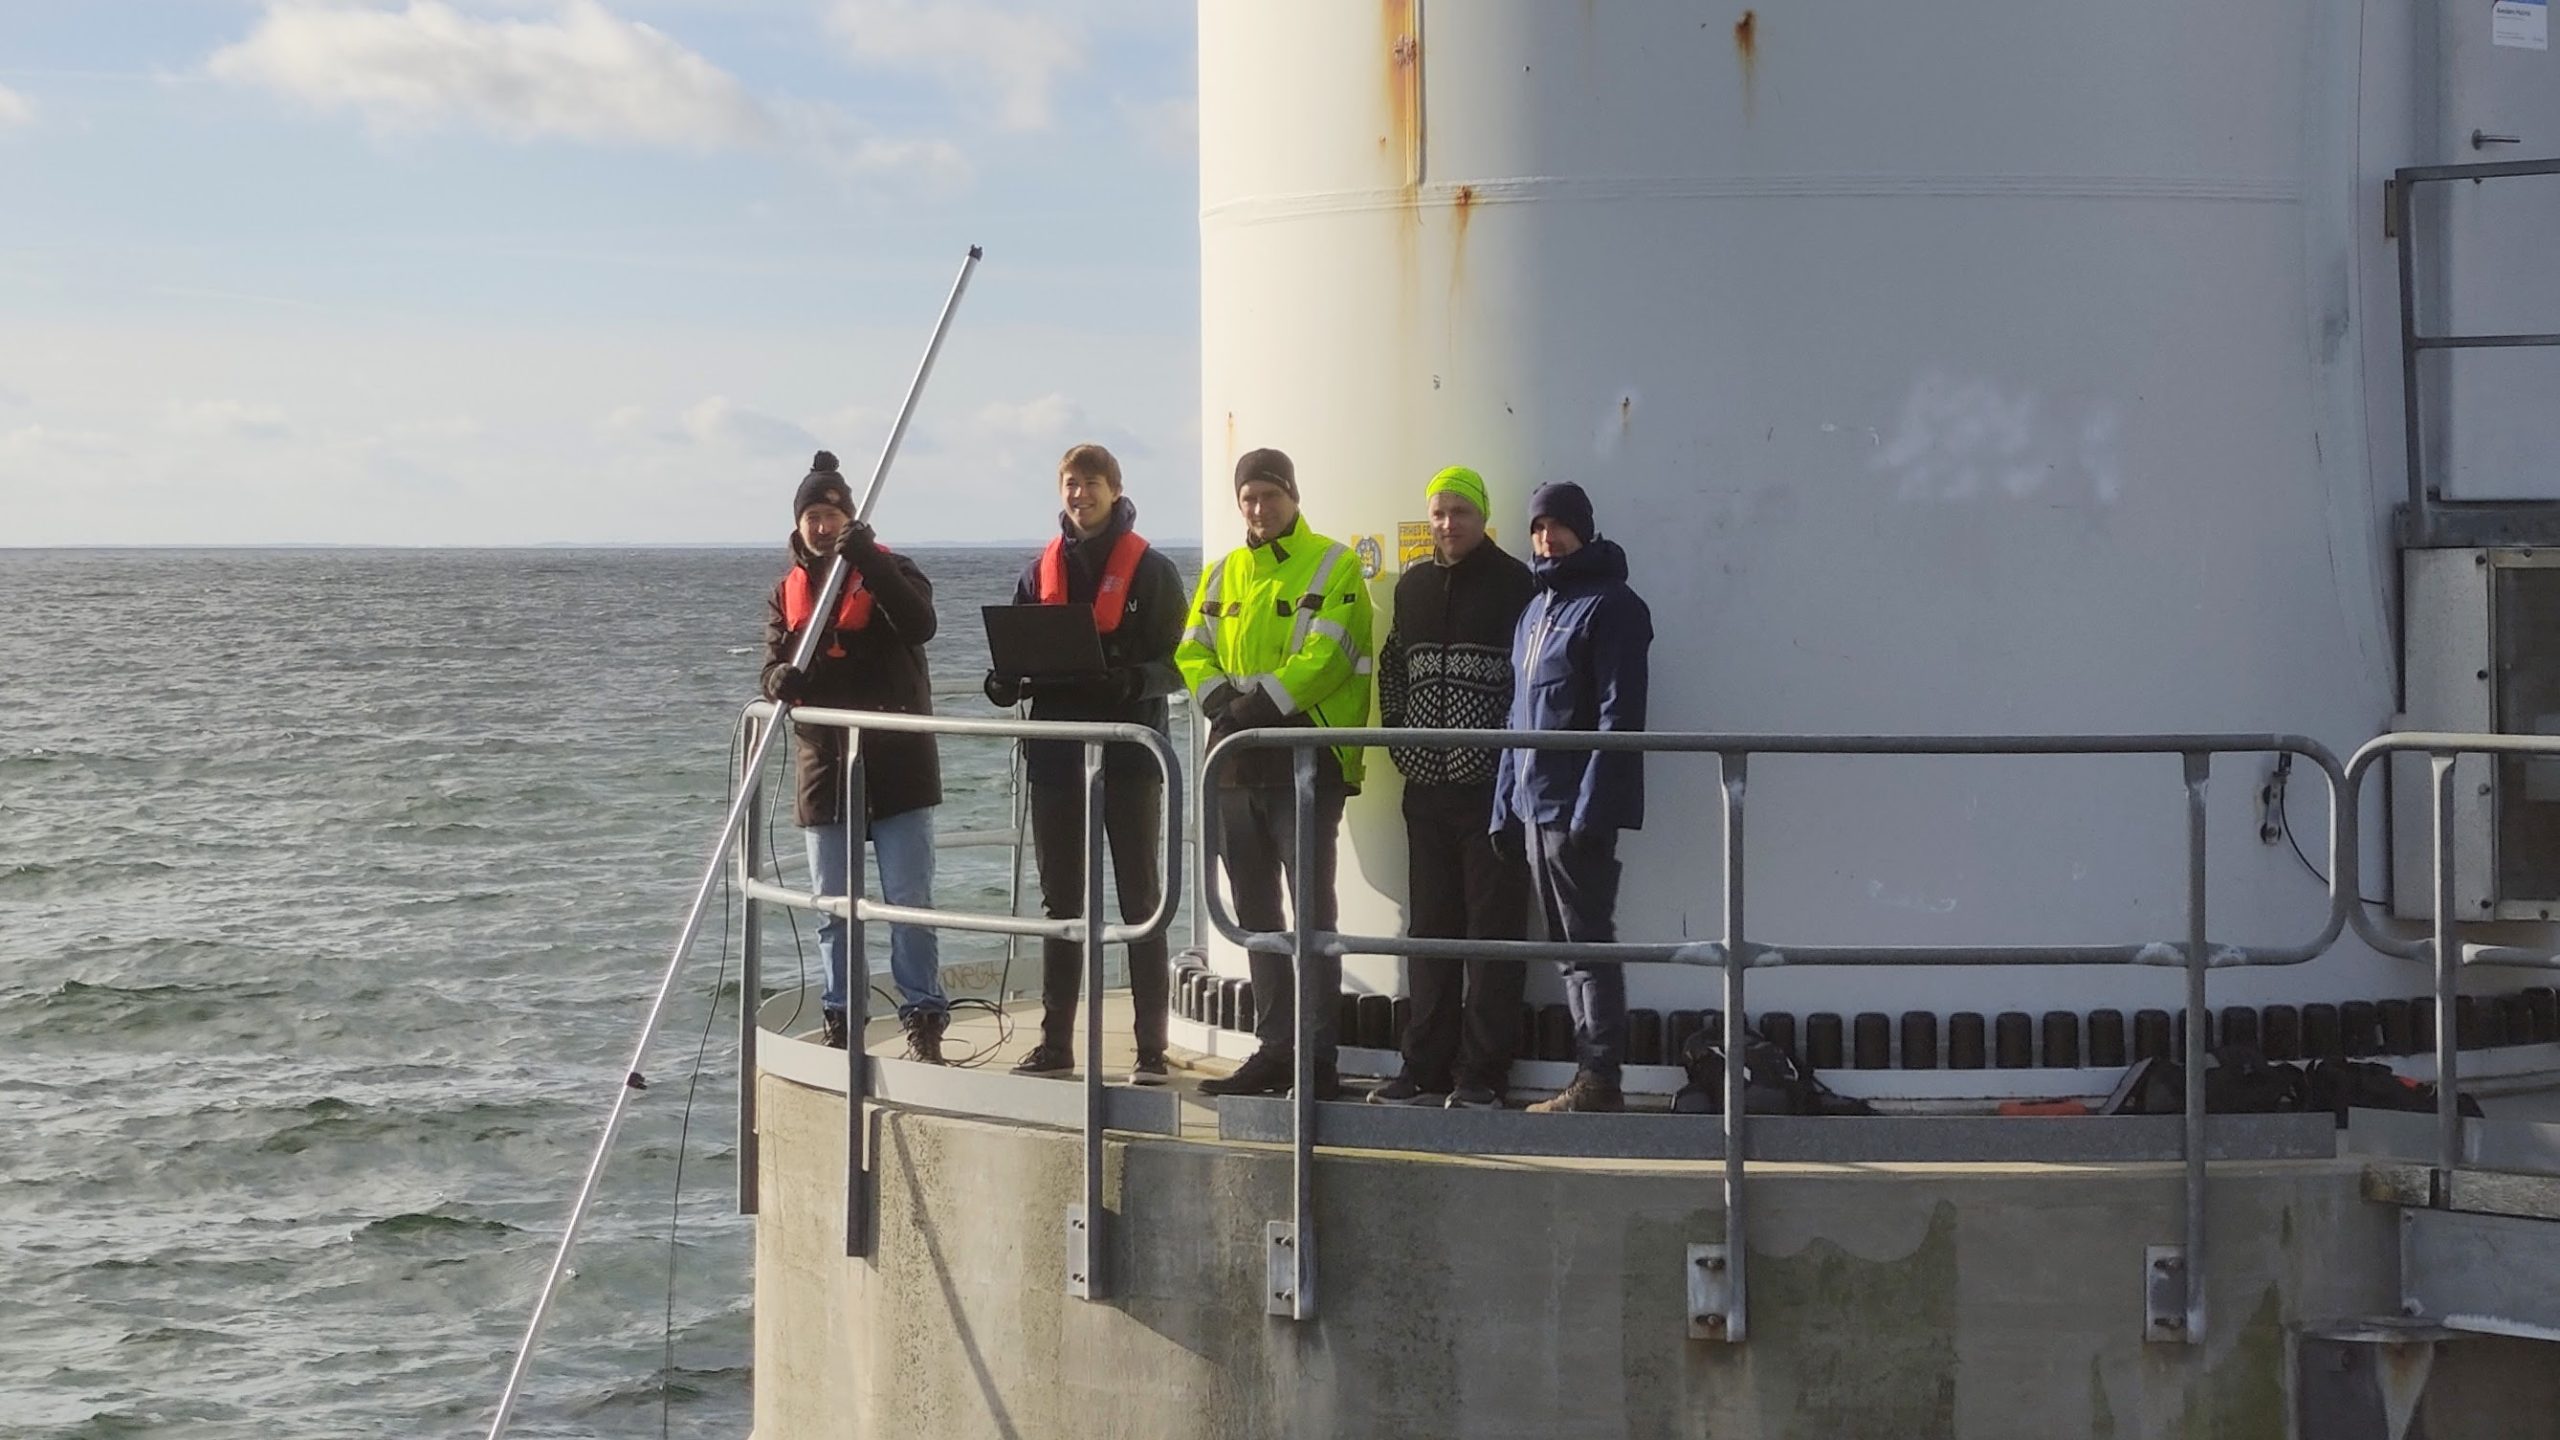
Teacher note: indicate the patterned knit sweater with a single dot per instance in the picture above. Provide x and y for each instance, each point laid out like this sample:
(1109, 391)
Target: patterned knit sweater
(1447, 662)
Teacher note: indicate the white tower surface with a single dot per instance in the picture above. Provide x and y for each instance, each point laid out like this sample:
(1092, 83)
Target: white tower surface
(1979, 367)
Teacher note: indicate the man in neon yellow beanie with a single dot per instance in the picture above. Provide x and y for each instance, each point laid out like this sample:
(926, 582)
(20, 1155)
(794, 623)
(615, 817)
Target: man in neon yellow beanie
(1447, 665)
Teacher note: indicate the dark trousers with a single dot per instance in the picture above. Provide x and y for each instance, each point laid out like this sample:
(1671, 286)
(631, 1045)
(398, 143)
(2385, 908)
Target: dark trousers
(1466, 1013)
(1257, 839)
(1577, 883)
(1132, 812)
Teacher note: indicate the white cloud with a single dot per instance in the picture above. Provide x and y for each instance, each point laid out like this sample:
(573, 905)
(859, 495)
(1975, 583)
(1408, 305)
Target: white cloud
(721, 423)
(43, 440)
(15, 109)
(1027, 437)
(228, 419)
(1168, 127)
(577, 72)
(1006, 57)
(841, 144)
(1042, 418)
(584, 75)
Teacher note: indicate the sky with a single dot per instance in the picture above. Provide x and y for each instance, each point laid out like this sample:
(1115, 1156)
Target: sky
(499, 272)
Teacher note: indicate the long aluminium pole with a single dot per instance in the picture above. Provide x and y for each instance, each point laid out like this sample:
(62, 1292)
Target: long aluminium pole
(739, 804)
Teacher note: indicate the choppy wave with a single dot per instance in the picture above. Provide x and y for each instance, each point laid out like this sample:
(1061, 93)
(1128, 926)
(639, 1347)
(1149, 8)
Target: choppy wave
(318, 970)
(428, 1222)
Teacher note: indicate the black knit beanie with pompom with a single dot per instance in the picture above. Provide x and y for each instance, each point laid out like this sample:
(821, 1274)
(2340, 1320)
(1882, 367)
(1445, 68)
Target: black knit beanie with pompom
(822, 486)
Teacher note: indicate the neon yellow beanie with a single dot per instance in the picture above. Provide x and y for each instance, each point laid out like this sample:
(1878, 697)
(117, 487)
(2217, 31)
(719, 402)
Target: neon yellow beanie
(1465, 483)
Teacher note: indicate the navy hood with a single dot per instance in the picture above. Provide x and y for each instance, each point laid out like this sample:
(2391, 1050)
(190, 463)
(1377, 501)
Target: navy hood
(1597, 563)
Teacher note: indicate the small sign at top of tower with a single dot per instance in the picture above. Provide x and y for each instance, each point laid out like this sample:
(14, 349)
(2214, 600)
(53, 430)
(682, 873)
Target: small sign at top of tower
(2520, 24)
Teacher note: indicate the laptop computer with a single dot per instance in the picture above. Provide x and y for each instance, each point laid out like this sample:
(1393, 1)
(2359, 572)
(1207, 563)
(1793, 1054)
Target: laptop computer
(1043, 640)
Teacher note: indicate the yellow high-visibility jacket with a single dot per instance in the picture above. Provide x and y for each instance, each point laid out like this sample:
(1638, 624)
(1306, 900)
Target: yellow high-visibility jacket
(1292, 619)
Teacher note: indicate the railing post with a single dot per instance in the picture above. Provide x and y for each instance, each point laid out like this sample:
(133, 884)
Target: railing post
(1292, 1251)
(1021, 793)
(2448, 964)
(1199, 852)
(750, 979)
(2413, 430)
(855, 812)
(1736, 766)
(2199, 768)
(1085, 1250)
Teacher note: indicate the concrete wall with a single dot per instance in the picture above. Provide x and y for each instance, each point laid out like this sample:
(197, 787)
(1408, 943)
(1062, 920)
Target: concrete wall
(1511, 1300)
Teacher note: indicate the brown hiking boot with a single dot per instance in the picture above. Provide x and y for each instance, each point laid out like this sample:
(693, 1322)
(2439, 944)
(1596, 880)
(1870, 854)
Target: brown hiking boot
(831, 1029)
(924, 1036)
(1587, 1095)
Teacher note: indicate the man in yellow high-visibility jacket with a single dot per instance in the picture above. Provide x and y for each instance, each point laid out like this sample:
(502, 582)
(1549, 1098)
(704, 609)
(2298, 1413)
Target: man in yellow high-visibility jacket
(1279, 635)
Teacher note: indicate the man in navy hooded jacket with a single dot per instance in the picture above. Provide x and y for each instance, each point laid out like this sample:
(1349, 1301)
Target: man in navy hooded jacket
(1578, 662)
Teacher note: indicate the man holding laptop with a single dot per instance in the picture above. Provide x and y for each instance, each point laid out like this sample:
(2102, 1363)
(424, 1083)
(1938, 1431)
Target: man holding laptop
(1137, 603)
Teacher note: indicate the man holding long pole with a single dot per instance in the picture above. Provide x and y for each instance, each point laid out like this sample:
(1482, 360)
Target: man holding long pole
(871, 658)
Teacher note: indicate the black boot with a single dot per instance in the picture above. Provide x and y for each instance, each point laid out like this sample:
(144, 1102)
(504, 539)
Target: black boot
(1265, 1072)
(924, 1035)
(831, 1029)
(1273, 1072)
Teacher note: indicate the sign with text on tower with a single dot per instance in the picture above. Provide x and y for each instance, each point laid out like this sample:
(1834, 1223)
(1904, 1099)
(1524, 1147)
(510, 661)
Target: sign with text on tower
(2520, 24)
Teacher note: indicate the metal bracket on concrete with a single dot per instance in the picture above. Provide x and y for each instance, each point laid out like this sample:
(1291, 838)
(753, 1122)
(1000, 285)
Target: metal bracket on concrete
(2164, 1294)
(1710, 1282)
(1079, 1255)
(1280, 1264)
(2490, 1274)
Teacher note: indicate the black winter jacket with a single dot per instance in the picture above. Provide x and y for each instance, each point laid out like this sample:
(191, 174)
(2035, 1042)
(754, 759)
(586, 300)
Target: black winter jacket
(1447, 661)
(883, 668)
(1144, 643)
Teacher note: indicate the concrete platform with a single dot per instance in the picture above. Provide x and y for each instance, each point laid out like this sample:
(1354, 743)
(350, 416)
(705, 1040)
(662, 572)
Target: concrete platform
(1542, 1297)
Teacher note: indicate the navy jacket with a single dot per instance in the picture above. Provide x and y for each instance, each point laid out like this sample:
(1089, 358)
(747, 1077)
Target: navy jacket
(1143, 643)
(1579, 662)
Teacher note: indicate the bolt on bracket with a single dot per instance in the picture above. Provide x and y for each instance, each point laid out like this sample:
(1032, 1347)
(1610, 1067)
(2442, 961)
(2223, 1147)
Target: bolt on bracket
(1710, 1286)
(1280, 1266)
(2164, 1294)
(1079, 1255)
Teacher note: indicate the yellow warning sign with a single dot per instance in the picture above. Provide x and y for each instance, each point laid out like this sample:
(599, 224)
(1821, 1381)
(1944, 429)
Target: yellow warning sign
(1413, 542)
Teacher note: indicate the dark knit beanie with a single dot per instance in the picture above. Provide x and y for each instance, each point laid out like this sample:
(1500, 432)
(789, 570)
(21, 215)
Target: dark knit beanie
(1268, 465)
(822, 486)
(1564, 503)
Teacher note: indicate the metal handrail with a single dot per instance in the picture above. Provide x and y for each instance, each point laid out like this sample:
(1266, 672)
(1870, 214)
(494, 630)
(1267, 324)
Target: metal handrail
(2427, 514)
(1086, 1276)
(2444, 954)
(2174, 1274)
(2170, 1272)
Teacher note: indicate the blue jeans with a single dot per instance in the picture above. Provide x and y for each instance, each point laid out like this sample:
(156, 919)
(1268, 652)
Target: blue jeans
(902, 845)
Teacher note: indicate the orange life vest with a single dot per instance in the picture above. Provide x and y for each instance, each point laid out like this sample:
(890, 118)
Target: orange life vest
(1111, 602)
(800, 599)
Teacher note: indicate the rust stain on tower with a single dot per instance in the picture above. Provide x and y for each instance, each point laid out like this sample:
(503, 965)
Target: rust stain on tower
(1746, 49)
(1402, 24)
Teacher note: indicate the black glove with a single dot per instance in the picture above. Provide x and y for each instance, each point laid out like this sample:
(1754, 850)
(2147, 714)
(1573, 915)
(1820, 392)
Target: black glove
(785, 685)
(1510, 845)
(1254, 711)
(1213, 706)
(1003, 691)
(857, 543)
